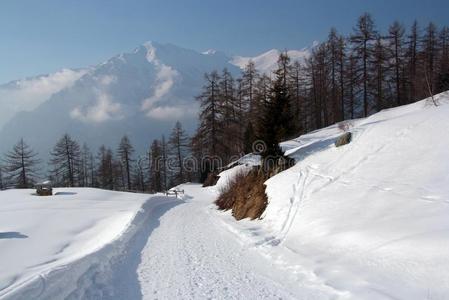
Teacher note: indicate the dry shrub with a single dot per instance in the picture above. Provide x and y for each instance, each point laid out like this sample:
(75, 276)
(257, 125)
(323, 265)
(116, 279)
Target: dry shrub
(245, 195)
(211, 179)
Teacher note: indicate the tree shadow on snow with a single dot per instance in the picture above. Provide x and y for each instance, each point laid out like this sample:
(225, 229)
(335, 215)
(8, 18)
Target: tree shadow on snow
(12, 235)
(65, 193)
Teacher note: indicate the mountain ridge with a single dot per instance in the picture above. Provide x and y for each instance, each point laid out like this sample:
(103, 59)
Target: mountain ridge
(141, 93)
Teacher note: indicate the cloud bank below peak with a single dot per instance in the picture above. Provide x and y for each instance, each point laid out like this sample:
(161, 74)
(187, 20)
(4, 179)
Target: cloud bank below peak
(27, 94)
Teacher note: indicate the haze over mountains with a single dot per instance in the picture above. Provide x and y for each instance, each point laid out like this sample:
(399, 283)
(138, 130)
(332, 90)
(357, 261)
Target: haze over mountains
(141, 93)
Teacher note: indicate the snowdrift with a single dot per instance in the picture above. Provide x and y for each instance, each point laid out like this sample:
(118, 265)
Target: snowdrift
(369, 219)
(41, 234)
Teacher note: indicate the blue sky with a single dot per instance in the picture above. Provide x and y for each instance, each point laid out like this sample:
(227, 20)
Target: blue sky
(43, 36)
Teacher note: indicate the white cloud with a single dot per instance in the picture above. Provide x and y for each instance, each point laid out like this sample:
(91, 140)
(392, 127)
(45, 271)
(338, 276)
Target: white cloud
(104, 110)
(27, 94)
(107, 79)
(165, 80)
(171, 112)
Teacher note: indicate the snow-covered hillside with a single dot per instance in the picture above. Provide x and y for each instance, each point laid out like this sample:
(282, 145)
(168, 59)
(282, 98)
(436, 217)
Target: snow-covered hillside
(369, 220)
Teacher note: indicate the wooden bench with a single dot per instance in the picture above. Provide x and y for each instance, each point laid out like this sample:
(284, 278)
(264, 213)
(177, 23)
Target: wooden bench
(174, 193)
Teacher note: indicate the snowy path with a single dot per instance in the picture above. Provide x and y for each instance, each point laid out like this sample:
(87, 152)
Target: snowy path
(177, 249)
(191, 255)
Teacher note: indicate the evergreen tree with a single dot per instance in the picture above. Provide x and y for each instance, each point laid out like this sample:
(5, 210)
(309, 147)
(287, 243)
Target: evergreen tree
(296, 86)
(277, 122)
(2, 183)
(249, 79)
(379, 74)
(156, 184)
(84, 171)
(361, 40)
(139, 177)
(65, 158)
(430, 52)
(333, 45)
(443, 70)
(125, 151)
(249, 138)
(210, 115)
(178, 143)
(105, 168)
(228, 113)
(20, 165)
(412, 61)
(395, 38)
(163, 163)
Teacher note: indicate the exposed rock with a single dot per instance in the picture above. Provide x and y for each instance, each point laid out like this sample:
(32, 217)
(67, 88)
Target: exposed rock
(343, 139)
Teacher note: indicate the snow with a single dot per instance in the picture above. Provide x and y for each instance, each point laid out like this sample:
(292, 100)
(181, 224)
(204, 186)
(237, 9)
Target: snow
(267, 62)
(369, 219)
(242, 166)
(41, 234)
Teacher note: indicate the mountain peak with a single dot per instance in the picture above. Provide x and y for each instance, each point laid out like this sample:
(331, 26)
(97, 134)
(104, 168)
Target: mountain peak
(267, 61)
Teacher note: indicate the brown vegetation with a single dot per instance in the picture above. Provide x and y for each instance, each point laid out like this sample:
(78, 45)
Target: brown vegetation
(211, 179)
(245, 195)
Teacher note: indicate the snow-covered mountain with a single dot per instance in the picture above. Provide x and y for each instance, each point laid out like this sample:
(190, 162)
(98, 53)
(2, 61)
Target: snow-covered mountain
(267, 62)
(141, 93)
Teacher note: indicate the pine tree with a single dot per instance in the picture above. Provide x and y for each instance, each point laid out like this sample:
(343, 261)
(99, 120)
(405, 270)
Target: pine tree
(430, 55)
(228, 115)
(361, 40)
(412, 58)
(249, 138)
(341, 62)
(277, 122)
(21, 165)
(2, 184)
(105, 168)
(318, 72)
(379, 74)
(198, 154)
(210, 115)
(84, 171)
(178, 144)
(333, 47)
(125, 151)
(443, 69)
(395, 38)
(262, 95)
(92, 171)
(163, 163)
(65, 158)
(249, 79)
(155, 175)
(297, 87)
(139, 177)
